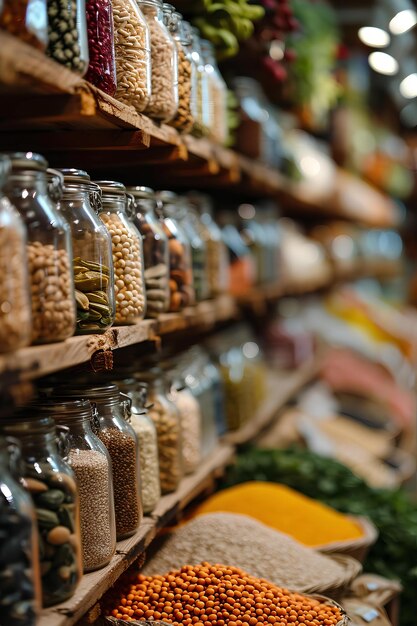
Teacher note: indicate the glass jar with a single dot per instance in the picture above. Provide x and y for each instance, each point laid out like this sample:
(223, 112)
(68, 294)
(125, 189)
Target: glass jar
(180, 259)
(203, 114)
(129, 282)
(242, 264)
(211, 371)
(48, 249)
(15, 320)
(20, 590)
(163, 103)
(52, 485)
(165, 416)
(112, 411)
(217, 94)
(188, 219)
(26, 20)
(102, 68)
(155, 250)
(133, 54)
(67, 34)
(217, 262)
(184, 119)
(191, 423)
(92, 249)
(145, 431)
(91, 464)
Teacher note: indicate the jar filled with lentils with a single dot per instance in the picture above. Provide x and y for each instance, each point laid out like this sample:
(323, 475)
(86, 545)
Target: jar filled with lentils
(48, 249)
(92, 249)
(112, 410)
(129, 282)
(165, 416)
(91, 464)
(163, 103)
(52, 485)
(180, 259)
(145, 430)
(15, 317)
(26, 21)
(184, 119)
(155, 250)
(102, 67)
(67, 34)
(20, 590)
(133, 54)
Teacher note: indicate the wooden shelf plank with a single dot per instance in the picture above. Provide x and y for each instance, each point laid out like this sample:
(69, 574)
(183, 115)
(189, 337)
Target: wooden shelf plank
(94, 585)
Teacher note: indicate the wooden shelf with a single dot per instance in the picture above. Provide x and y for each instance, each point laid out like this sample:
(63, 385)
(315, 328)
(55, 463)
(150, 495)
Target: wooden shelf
(43, 105)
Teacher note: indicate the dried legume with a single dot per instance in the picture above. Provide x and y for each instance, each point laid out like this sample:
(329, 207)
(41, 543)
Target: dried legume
(102, 68)
(149, 466)
(191, 422)
(168, 429)
(64, 34)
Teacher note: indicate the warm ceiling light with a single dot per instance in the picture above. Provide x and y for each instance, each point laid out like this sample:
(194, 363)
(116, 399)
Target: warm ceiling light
(408, 86)
(403, 21)
(383, 63)
(374, 37)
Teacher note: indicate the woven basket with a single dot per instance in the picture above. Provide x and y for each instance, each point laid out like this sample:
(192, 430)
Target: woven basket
(345, 621)
(352, 569)
(356, 548)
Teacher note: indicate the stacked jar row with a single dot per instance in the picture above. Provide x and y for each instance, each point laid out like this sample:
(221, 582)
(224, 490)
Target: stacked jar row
(140, 51)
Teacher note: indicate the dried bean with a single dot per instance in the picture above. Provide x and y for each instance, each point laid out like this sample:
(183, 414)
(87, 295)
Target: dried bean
(149, 466)
(64, 35)
(102, 69)
(169, 445)
(184, 119)
(191, 421)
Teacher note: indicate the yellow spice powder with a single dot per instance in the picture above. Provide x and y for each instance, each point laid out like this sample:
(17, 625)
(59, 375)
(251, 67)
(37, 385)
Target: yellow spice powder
(287, 510)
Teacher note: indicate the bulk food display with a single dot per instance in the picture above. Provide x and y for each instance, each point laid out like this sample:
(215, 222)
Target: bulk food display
(92, 249)
(191, 423)
(52, 486)
(188, 220)
(129, 284)
(163, 102)
(217, 89)
(155, 250)
(20, 592)
(67, 34)
(133, 54)
(18, 18)
(15, 310)
(203, 111)
(102, 67)
(49, 250)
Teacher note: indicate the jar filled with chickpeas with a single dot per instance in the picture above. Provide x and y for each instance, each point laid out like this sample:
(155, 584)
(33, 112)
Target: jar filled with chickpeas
(92, 249)
(129, 284)
(163, 104)
(48, 248)
(155, 250)
(15, 317)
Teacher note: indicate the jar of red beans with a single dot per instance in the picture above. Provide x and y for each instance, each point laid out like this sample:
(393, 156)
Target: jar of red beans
(102, 68)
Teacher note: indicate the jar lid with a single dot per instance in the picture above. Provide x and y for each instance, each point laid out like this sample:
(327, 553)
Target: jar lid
(141, 192)
(93, 393)
(63, 408)
(111, 187)
(72, 175)
(5, 167)
(22, 426)
(167, 197)
(27, 161)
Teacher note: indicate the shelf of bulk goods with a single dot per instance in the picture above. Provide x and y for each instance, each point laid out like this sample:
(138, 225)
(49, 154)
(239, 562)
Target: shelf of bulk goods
(114, 139)
(94, 585)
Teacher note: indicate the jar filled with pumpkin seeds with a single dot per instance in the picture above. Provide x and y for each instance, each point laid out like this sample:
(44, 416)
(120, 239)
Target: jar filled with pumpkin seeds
(92, 249)
(91, 464)
(20, 590)
(25, 21)
(52, 485)
(113, 412)
(67, 34)
(155, 250)
(15, 316)
(129, 282)
(48, 249)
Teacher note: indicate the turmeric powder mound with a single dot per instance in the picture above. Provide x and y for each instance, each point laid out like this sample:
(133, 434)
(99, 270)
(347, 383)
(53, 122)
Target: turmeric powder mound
(286, 510)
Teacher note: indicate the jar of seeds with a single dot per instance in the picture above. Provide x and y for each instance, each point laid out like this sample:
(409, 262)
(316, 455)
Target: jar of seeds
(147, 439)
(155, 250)
(102, 68)
(133, 54)
(92, 248)
(112, 410)
(91, 464)
(48, 248)
(20, 590)
(164, 415)
(26, 21)
(15, 318)
(67, 34)
(184, 119)
(180, 259)
(51, 483)
(129, 282)
(163, 103)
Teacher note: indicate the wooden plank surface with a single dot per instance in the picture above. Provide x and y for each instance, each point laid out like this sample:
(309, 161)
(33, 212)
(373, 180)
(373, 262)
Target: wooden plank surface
(95, 584)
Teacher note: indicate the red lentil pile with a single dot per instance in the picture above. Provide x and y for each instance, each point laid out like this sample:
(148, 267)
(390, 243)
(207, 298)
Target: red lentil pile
(216, 595)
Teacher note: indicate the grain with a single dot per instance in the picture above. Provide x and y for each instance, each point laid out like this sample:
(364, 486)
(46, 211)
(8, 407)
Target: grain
(168, 430)
(127, 504)
(217, 595)
(191, 423)
(149, 466)
(246, 543)
(93, 475)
